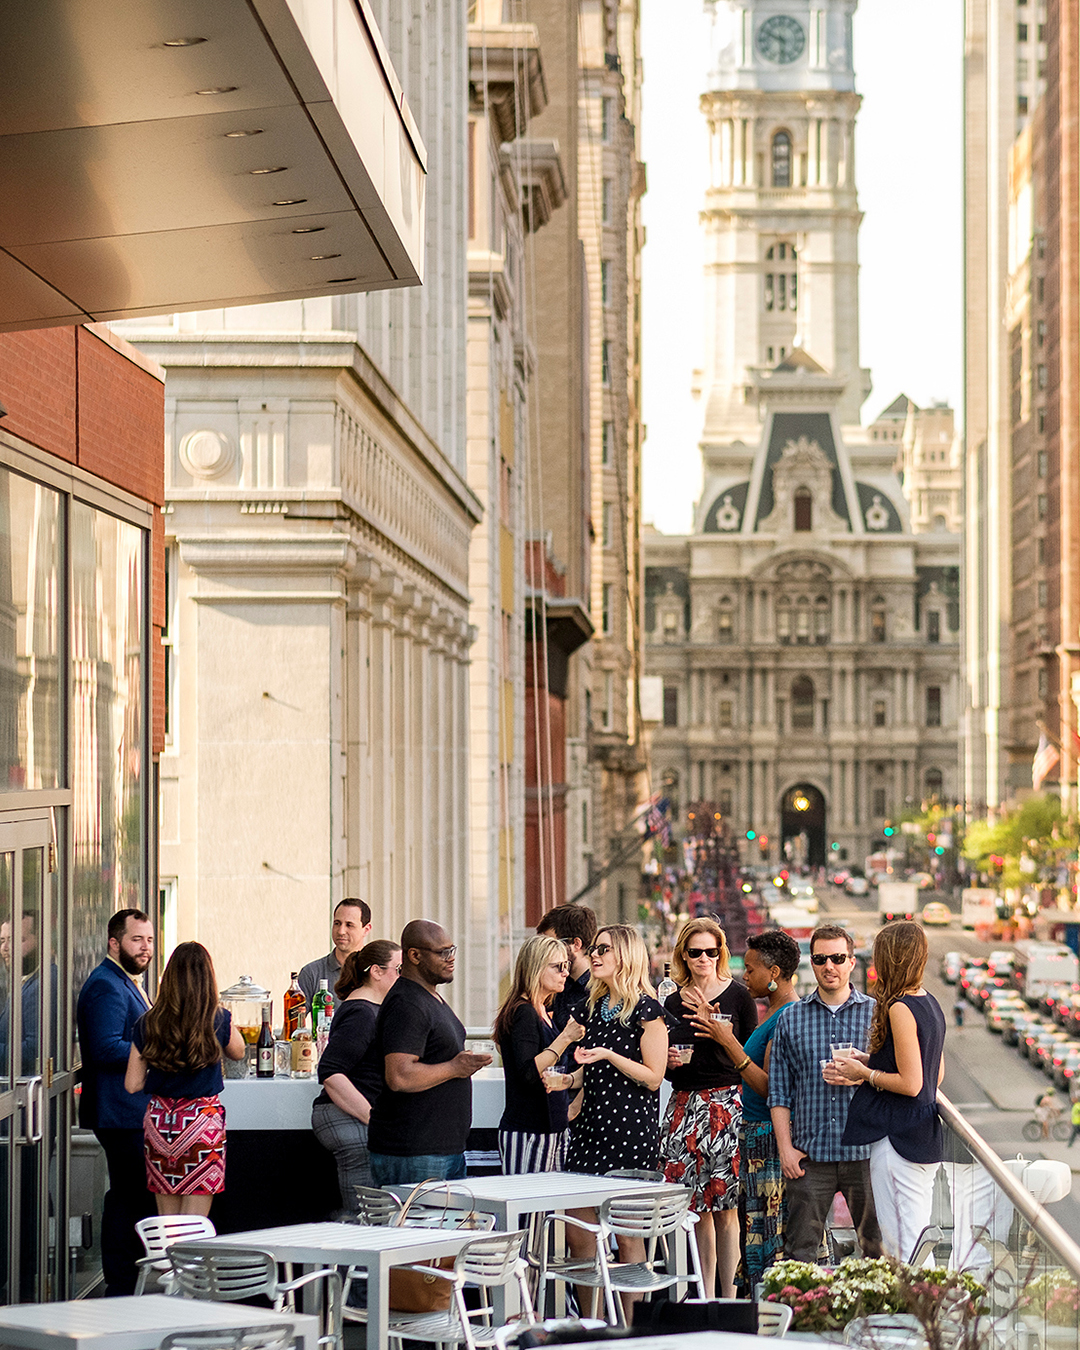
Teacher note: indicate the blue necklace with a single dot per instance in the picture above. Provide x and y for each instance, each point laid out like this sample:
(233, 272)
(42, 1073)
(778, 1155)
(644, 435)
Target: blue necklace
(607, 1012)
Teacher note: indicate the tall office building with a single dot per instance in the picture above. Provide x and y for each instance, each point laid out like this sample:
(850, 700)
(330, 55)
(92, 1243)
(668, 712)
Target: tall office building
(806, 634)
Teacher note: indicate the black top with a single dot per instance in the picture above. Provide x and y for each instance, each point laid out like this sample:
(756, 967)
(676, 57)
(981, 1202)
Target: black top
(351, 1049)
(710, 1066)
(528, 1108)
(186, 1084)
(570, 1001)
(437, 1120)
(911, 1124)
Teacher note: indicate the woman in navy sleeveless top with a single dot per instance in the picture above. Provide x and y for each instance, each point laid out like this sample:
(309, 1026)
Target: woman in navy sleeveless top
(895, 1107)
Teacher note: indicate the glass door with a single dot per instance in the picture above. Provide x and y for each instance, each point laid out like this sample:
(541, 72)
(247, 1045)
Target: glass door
(31, 1167)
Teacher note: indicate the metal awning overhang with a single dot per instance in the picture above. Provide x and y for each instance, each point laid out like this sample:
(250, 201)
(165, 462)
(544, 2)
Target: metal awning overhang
(565, 619)
(164, 155)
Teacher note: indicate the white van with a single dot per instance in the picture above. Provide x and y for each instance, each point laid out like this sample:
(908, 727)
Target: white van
(1038, 966)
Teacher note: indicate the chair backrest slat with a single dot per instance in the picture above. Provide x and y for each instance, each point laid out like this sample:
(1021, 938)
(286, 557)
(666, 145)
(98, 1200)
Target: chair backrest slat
(490, 1260)
(645, 1216)
(228, 1274)
(161, 1230)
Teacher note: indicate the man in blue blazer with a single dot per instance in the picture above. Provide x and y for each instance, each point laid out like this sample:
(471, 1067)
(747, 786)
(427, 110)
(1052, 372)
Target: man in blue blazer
(111, 1001)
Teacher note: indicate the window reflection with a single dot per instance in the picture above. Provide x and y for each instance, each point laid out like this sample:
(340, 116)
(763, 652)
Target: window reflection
(29, 634)
(107, 725)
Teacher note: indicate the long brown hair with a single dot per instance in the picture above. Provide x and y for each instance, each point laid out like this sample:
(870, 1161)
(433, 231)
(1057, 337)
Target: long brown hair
(179, 1028)
(536, 954)
(356, 969)
(900, 953)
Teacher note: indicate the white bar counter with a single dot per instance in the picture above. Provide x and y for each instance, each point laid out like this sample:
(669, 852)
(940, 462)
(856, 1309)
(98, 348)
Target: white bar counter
(285, 1103)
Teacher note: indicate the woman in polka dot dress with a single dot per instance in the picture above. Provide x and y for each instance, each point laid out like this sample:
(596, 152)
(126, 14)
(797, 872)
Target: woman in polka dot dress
(623, 1055)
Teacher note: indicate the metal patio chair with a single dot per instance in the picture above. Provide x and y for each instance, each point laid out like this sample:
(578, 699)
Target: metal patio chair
(274, 1337)
(157, 1234)
(648, 1217)
(489, 1262)
(234, 1274)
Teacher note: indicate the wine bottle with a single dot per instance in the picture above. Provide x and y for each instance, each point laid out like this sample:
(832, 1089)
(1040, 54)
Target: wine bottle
(302, 1048)
(322, 1008)
(667, 985)
(294, 1001)
(264, 1048)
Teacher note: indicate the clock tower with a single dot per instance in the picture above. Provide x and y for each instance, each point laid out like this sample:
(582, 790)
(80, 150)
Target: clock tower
(781, 215)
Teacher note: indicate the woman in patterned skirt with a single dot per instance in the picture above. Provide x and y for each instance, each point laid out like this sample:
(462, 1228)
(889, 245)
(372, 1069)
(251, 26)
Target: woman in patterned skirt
(176, 1055)
(700, 1133)
(772, 959)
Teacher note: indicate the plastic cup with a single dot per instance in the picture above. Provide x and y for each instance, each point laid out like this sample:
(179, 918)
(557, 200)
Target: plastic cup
(685, 1052)
(720, 1017)
(842, 1051)
(482, 1048)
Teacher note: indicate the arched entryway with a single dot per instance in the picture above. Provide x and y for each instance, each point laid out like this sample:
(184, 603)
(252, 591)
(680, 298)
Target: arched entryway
(802, 826)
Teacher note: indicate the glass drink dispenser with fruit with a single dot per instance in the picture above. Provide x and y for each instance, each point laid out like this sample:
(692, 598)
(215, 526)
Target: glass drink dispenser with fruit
(246, 1001)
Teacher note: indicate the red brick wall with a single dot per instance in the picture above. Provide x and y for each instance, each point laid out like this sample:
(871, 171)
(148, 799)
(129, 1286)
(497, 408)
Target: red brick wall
(72, 394)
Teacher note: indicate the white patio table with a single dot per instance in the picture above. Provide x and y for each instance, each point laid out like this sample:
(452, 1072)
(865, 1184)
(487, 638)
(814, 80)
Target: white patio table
(350, 1244)
(133, 1323)
(513, 1199)
(686, 1340)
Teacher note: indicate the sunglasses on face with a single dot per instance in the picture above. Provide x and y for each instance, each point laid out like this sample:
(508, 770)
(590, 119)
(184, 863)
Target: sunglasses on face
(601, 949)
(561, 966)
(445, 953)
(711, 952)
(837, 958)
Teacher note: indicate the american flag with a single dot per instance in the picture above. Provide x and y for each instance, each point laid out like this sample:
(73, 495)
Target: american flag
(1046, 757)
(656, 823)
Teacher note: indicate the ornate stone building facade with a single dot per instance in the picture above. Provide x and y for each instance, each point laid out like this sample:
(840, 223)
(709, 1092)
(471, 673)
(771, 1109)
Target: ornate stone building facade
(318, 525)
(806, 634)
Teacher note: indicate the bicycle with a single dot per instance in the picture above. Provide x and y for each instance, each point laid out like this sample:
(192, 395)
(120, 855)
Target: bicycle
(1032, 1130)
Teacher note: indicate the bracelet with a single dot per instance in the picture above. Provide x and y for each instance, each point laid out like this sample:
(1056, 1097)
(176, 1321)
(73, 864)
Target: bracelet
(873, 1074)
(739, 1067)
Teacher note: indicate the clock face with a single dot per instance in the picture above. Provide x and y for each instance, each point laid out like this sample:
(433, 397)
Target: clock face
(781, 39)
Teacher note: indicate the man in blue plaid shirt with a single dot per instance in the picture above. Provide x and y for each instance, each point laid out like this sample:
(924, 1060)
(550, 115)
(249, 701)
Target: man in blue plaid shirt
(808, 1114)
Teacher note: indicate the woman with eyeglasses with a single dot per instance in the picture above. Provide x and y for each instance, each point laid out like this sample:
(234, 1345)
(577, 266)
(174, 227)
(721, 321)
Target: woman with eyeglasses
(771, 963)
(532, 1131)
(700, 1133)
(350, 1070)
(894, 1109)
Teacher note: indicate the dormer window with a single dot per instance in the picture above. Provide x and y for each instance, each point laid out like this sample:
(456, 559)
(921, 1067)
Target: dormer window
(804, 510)
(781, 160)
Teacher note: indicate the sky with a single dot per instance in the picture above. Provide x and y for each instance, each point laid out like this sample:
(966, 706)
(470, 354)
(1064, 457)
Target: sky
(909, 166)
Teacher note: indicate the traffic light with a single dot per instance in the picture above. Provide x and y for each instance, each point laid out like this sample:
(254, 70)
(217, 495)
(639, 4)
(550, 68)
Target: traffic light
(889, 830)
(939, 850)
(751, 834)
(931, 838)
(834, 846)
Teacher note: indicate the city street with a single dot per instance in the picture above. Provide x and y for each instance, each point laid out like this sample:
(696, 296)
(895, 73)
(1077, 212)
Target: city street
(988, 1081)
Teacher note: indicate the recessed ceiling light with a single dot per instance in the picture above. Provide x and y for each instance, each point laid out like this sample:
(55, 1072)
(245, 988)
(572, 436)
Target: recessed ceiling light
(337, 281)
(220, 89)
(255, 131)
(277, 168)
(289, 201)
(308, 229)
(182, 42)
(322, 257)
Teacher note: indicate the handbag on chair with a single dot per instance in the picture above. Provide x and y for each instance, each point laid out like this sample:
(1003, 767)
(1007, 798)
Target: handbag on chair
(411, 1289)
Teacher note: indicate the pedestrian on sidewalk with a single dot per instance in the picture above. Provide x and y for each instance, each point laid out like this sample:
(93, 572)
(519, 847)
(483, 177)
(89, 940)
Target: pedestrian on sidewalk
(958, 1010)
(1075, 1117)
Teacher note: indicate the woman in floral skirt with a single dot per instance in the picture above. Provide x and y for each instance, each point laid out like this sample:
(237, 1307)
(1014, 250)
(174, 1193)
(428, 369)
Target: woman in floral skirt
(700, 1133)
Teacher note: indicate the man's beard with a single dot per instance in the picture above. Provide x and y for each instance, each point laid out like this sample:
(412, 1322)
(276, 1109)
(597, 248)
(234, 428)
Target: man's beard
(131, 964)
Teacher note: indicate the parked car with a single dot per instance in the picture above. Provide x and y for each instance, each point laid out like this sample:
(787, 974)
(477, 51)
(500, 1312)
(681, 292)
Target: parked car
(974, 985)
(857, 886)
(1034, 1040)
(803, 895)
(1000, 960)
(840, 876)
(1058, 1055)
(1067, 1073)
(937, 914)
(1045, 1048)
(1012, 1032)
(972, 965)
(1001, 1015)
(951, 965)
(923, 880)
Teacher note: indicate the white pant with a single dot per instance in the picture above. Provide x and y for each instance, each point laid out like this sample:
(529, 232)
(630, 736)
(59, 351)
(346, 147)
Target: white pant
(903, 1197)
(977, 1205)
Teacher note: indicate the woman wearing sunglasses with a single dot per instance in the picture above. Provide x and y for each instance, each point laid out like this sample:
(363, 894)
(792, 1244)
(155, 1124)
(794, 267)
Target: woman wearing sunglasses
(894, 1109)
(700, 1133)
(350, 1070)
(532, 1131)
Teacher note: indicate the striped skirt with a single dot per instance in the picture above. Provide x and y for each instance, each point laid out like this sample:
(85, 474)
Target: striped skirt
(520, 1152)
(185, 1146)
